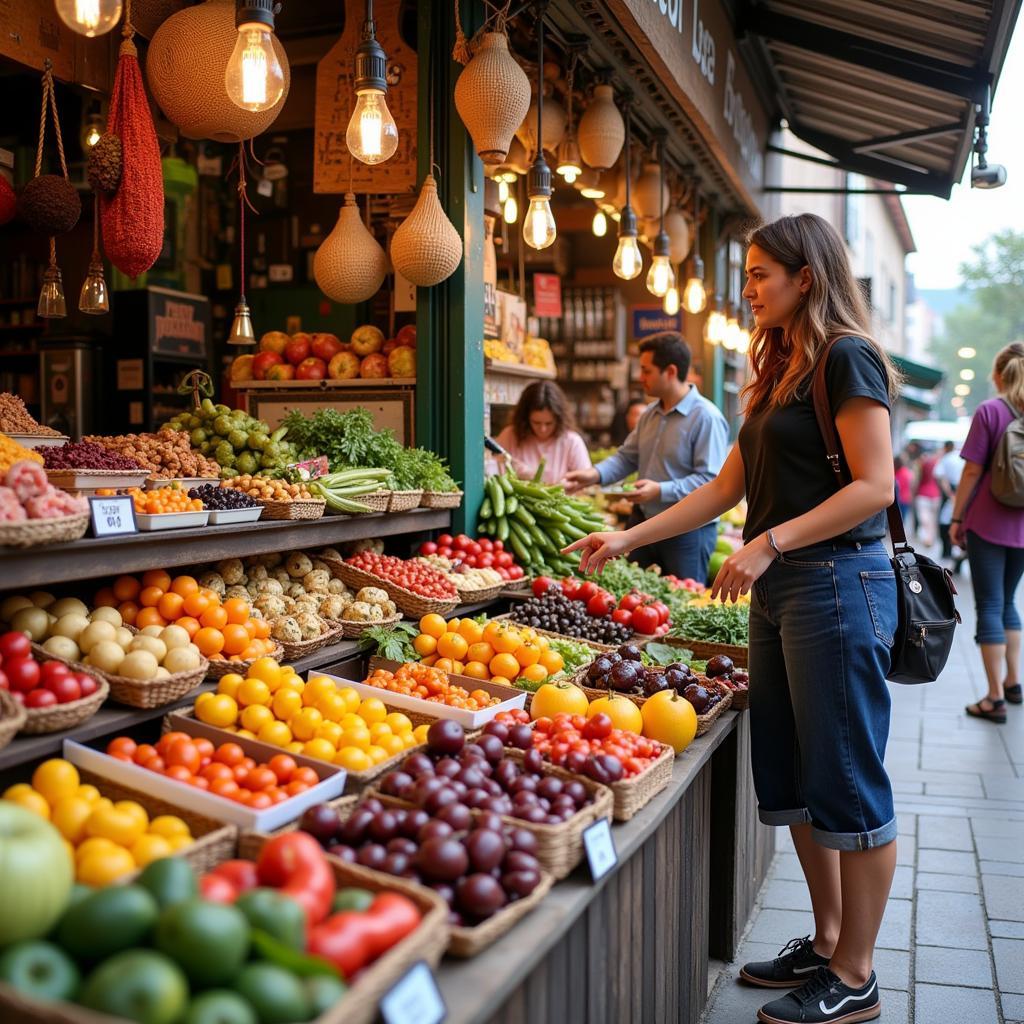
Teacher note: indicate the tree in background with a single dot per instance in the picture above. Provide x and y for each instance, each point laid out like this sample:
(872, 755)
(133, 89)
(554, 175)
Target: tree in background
(991, 316)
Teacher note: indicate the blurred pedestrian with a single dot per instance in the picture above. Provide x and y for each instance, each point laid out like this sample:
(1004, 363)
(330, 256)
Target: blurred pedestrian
(904, 486)
(926, 501)
(993, 534)
(626, 418)
(947, 476)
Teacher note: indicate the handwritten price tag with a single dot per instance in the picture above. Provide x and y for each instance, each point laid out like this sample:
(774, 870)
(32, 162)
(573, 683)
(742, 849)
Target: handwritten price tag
(113, 516)
(414, 999)
(600, 847)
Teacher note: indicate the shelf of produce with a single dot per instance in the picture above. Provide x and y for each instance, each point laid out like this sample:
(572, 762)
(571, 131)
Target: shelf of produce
(91, 558)
(324, 385)
(111, 719)
(518, 370)
(622, 934)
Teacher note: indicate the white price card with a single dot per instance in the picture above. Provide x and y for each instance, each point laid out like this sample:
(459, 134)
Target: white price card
(414, 998)
(600, 847)
(112, 516)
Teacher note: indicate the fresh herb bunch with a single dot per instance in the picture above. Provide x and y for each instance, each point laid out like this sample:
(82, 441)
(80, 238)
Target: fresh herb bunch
(574, 654)
(713, 623)
(393, 643)
(417, 469)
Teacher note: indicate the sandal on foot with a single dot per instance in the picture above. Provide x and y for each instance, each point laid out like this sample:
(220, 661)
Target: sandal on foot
(996, 713)
(1014, 694)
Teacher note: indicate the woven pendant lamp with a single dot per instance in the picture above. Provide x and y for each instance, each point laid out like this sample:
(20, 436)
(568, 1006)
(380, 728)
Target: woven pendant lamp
(601, 131)
(679, 235)
(350, 265)
(553, 127)
(645, 193)
(426, 249)
(492, 97)
(185, 70)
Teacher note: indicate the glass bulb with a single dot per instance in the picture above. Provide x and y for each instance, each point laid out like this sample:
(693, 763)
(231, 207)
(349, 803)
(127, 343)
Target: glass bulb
(89, 17)
(660, 277)
(510, 212)
(599, 225)
(671, 303)
(93, 297)
(51, 299)
(714, 327)
(253, 77)
(967, 374)
(731, 335)
(743, 346)
(695, 298)
(628, 262)
(570, 172)
(502, 191)
(372, 135)
(92, 132)
(966, 352)
(539, 224)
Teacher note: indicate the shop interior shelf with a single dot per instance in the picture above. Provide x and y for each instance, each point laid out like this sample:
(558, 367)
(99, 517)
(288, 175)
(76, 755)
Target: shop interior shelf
(496, 366)
(94, 557)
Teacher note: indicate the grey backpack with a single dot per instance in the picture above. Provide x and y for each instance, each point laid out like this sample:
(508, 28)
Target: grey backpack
(1007, 479)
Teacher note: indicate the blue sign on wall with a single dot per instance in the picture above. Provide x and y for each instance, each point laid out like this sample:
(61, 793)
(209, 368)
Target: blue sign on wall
(648, 320)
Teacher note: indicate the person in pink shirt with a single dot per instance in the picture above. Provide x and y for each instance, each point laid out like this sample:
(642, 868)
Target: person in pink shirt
(543, 428)
(927, 501)
(905, 486)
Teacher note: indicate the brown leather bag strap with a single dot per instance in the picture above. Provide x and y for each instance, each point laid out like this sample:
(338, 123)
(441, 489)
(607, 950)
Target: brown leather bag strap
(834, 447)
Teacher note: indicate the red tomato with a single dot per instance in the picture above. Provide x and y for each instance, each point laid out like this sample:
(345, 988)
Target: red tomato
(663, 613)
(600, 605)
(541, 585)
(631, 601)
(445, 540)
(217, 889)
(622, 616)
(516, 572)
(65, 688)
(4, 683)
(587, 589)
(502, 572)
(14, 645)
(445, 552)
(87, 684)
(486, 544)
(485, 561)
(52, 670)
(646, 619)
(599, 727)
(428, 547)
(462, 542)
(22, 672)
(40, 699)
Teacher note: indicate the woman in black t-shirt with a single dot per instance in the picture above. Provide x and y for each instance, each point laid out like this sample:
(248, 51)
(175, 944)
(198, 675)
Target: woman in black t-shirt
(823, 607)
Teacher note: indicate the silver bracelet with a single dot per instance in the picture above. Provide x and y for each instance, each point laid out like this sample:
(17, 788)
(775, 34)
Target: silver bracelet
(774, 546)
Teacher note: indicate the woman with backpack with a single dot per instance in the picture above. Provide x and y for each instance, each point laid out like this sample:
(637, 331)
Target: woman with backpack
(823, 612)
(988, 520)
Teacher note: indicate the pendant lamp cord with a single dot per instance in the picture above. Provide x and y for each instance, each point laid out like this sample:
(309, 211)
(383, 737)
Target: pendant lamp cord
(49, 103)
(540, 81)
(628, 169)
(661, 186)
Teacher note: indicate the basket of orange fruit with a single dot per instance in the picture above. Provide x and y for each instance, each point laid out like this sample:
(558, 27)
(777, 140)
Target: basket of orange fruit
(227, 634)
(498, 651)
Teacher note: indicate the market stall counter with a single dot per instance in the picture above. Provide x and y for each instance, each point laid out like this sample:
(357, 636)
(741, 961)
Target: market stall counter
(633, 946)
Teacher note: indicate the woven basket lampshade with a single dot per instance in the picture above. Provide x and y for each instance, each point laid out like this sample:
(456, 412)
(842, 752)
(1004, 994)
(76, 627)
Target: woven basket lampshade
(492, 97)
(553, 125)
(426, 249)
(601, 130)
(350, 264)
(679, 234)
(645, 192)
(185, 69)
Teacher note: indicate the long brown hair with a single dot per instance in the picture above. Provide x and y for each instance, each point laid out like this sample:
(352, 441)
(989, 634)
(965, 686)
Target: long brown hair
(542, 395)
(832, 307)
(1009, 365)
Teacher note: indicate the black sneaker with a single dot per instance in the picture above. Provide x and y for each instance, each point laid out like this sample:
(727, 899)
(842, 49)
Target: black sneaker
(824, 999)
(796, 962)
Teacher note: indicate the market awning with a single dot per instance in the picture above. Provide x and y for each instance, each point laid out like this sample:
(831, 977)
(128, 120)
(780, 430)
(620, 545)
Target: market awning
(886, 87)
(918, 375)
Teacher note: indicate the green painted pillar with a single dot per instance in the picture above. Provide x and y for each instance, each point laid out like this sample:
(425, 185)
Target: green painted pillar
(450, 316)
(714, 283)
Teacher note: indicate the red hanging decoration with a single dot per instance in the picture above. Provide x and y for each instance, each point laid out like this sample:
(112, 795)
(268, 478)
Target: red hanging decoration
(8, 200)
(133, 218)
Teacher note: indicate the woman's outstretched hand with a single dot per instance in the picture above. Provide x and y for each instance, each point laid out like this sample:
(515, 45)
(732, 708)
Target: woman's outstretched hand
(596, 548)
(742, 568)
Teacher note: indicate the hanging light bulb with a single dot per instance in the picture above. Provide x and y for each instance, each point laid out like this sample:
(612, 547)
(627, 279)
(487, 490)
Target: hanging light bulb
(743, 345)
(510, 211)
(92, 129)
(94, 298)
(661, 276)
(254, 78)
(671, 303)
(731, 334)
(372, 135)
(502, 191)
(51, 298)
(570, 164)
(695, 298)
(539, 229)
(89, 17)
(241, 332)
(599, 225)
(714, 325)
(627, 262)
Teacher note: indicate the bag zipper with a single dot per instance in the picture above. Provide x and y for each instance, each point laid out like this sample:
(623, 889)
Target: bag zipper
(921, 630)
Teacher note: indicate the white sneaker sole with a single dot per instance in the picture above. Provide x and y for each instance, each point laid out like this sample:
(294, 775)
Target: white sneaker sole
(765, 983)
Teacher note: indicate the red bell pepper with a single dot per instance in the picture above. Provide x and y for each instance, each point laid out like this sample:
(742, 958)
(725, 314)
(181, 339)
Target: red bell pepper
(295, 864)
(350, 940)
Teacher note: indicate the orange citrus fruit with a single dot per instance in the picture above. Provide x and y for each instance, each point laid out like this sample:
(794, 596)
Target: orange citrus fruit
(129, 612)
(425, 645)
(527, 654)
(157, 578)
(149, 617)
(236, 639)
(476, 670)
(471, 631)
(433, 625)
(196, 604)
(150, 597)
(189, 624)
(209, 641)
(126, 588)
(236, 610)
(504, 664)
(185, 585)
(481, 651)
(105, 598)
(170, 605)
(552, 661)
(215, 617)
(452, 645)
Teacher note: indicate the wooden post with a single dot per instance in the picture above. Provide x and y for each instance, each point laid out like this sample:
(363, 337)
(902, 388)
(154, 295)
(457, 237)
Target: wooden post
(450, 316)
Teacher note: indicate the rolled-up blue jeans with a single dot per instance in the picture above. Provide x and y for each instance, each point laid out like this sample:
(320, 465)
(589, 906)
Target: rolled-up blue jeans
(995, 572)
(822, 621)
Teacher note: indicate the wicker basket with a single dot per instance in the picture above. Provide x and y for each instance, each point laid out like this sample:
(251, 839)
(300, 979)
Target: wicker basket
(480, 596)
(350, 265)
(466, 942)
(353, 630)
(403, 501)
(425, 248)
(406, 600)
(375, 501)
(59, 717)
(332, 633)
(598, 648)
(740, 700)
(702, 651)
(222, 666)
(359, 1005)
(601, 130)
(631, 795)
(441, 499)
(344, 805)
(516, 589)
(304, 508)
(31, 533)
(12, 718)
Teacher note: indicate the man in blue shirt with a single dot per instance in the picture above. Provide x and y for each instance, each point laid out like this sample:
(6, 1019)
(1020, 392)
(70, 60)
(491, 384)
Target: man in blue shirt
(679, 444)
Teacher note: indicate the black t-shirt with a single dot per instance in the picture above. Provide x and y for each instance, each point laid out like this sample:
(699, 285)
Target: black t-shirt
(784, 462)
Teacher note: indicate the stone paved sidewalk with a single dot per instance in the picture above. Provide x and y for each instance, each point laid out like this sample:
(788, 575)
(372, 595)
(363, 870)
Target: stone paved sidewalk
(951, 948)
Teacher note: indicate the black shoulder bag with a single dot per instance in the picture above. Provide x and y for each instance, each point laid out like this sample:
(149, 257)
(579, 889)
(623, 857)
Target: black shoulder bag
(924, 589)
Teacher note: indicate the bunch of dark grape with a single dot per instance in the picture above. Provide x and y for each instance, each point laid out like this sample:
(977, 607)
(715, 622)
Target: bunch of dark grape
(558, 614)
(222, 498)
